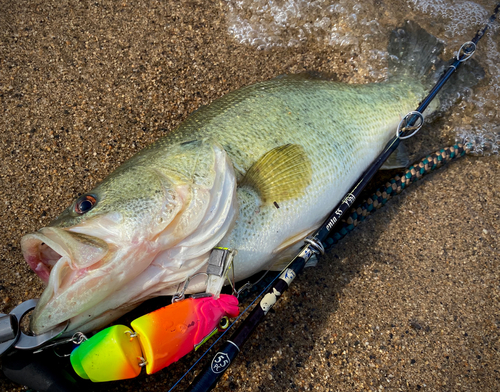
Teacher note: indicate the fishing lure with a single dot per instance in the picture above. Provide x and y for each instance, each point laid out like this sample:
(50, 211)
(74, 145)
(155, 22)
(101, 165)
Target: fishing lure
(155, 340)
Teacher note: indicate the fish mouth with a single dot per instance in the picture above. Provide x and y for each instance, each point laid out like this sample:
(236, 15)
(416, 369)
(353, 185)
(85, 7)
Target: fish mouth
(53, 250)
(61, 258)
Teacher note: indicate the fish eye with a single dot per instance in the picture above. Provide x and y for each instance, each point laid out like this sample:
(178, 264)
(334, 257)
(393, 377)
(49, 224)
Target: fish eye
(85, 203)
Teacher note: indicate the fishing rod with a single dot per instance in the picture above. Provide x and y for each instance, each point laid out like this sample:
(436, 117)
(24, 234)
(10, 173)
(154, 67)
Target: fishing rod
(314, 245)
(46, 373)
(408, 127)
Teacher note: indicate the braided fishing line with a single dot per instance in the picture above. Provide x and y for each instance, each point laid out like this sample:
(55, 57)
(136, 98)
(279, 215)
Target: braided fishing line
(357, 215)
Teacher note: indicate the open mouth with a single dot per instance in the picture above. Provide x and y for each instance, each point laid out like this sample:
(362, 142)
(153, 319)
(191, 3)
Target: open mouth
(40, 256)
(61, 255)
(71, 265)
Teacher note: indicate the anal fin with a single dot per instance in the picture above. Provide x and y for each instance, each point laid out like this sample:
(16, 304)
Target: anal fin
(288, 249)
(398, 159)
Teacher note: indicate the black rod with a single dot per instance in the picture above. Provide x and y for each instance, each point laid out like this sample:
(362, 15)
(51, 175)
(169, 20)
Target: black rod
(210, 375)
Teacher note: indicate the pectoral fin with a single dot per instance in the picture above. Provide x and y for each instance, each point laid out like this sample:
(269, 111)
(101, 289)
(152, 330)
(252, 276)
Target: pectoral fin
(281, 174)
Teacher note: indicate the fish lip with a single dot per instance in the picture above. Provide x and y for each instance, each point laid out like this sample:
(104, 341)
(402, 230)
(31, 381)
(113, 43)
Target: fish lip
(36, 249)
(81, 250)
(56, 249)
(58, 257)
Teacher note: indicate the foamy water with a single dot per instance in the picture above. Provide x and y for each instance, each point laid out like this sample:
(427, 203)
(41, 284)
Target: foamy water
(359, 32)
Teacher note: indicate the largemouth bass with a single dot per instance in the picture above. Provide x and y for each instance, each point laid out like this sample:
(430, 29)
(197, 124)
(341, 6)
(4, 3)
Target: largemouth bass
(256, 171)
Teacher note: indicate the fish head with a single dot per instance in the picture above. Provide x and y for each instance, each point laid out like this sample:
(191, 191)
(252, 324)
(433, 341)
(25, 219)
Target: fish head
(116, 245)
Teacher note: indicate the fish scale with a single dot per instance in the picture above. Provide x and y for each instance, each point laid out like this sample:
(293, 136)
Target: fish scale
(340, 136)
(334, 122)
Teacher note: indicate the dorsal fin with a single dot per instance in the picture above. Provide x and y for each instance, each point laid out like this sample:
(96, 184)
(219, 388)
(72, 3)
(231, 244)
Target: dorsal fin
(281, 174)
(311, 75)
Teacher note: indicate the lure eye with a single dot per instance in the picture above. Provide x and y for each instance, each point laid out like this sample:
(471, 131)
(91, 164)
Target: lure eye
(84, 204)
(223, 323)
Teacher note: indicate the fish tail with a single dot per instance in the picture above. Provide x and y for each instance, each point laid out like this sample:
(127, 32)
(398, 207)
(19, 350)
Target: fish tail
(414, 53)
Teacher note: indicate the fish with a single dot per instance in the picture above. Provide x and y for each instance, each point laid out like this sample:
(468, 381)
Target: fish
(257, 170)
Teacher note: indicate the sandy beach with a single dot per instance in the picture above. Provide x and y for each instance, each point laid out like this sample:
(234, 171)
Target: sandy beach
(408, 301)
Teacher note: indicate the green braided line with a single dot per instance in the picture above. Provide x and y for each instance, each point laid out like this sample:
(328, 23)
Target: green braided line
(393, 187)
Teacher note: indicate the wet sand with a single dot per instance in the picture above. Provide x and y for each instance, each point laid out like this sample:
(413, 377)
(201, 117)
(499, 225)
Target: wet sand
(408, 301)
